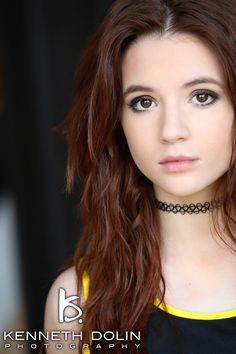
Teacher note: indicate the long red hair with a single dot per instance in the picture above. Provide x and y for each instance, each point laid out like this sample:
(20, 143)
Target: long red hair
(119, 244)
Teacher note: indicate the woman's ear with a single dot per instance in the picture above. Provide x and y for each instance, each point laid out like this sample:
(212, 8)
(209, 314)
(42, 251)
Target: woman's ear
(110, 150)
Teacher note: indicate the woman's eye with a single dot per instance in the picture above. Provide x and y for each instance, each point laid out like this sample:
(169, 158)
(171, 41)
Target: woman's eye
(142, 104)
(204, 98)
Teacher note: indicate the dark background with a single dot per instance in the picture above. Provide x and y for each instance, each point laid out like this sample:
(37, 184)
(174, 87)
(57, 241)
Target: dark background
(40, 41)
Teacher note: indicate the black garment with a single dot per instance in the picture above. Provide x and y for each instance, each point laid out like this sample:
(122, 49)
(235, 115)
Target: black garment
(173, 331)
(170, 334)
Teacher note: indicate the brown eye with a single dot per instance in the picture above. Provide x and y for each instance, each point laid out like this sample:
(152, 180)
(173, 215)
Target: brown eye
(202, 97)
(142, 104)
(146, 103)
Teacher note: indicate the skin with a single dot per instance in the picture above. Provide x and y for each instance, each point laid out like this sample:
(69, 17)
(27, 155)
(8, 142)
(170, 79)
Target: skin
(174, 117)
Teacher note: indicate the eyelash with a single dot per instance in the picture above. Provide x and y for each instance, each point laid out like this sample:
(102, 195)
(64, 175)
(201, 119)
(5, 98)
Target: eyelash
(208, 93)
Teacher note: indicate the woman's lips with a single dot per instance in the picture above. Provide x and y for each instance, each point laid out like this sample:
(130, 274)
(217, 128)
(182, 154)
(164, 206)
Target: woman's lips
(177, 163)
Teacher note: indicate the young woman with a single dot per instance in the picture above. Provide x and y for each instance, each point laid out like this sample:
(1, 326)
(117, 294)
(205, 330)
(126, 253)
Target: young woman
(151, 135)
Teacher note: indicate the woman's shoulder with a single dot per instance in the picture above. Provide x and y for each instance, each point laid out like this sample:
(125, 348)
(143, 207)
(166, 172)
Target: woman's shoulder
(62, 301)
(66, 280)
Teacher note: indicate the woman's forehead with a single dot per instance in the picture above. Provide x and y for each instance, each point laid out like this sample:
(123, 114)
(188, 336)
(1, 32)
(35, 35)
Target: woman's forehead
(174, 58)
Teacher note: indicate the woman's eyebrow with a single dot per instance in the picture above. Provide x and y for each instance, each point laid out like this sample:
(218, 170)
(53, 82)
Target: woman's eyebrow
(199, 80)
(137, 88)
(203, 80)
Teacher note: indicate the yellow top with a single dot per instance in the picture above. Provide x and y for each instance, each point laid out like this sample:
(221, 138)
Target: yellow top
(196, 315)
(173, 311)
(85, 284)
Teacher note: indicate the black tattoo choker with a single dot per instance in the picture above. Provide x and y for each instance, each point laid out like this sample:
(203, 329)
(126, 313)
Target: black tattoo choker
(186, 208)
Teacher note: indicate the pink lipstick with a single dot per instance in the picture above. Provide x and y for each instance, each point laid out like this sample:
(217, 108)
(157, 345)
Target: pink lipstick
(177, 163)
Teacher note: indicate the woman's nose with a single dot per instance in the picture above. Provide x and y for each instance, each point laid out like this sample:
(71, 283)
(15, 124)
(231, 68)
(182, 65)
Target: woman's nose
(174, 125)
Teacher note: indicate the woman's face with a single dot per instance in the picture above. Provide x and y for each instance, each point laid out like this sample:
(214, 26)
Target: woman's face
(176, 108)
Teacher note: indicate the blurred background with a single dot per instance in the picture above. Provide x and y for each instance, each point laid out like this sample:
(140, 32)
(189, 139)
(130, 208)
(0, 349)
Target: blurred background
(40, 41)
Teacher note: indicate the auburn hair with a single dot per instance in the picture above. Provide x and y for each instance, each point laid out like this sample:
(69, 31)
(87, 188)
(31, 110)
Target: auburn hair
(120, 242)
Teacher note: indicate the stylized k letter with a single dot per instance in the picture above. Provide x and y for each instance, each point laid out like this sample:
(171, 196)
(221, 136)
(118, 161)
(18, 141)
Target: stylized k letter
(65, 302)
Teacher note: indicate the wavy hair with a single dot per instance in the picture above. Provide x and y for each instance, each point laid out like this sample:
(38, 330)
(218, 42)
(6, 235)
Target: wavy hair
(120, 242)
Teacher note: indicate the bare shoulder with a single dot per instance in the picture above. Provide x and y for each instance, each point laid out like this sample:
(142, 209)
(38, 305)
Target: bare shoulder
(66, 280)
(64, 286)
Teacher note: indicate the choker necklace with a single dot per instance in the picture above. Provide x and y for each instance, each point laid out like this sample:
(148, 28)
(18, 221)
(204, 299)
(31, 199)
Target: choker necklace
(186, 208)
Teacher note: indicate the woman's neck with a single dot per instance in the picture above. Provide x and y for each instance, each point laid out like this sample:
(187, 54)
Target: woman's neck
(191, 235)
(186, 234)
